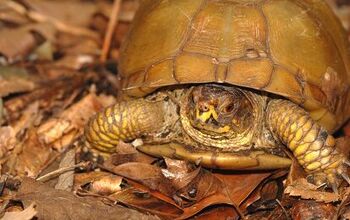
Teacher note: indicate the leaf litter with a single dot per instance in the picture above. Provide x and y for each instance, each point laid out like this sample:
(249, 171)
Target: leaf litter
(52, 80)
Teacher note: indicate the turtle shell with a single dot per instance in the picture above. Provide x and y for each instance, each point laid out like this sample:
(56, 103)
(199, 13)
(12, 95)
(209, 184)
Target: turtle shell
(297, 49)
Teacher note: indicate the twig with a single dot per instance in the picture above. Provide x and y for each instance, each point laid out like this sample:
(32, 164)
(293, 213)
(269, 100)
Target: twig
(58, 172)
(113, 23)
(283, 209)
(60, 25)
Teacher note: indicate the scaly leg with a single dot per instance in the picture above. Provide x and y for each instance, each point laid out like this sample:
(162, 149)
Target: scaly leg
(124, 121)
(310, 143)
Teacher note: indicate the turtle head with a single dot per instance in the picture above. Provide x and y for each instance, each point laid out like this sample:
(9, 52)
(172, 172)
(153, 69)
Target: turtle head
(219, 110)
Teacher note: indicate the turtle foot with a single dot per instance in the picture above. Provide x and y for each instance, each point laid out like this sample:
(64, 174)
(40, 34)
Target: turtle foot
(332, 176)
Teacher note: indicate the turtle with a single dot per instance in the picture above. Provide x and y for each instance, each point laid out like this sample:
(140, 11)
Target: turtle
(233, 84)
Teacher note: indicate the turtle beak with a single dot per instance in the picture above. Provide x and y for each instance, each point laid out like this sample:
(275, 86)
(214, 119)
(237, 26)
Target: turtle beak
(205, 116)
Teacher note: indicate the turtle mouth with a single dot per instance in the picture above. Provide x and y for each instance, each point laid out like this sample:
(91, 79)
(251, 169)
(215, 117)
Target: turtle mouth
(210, 126)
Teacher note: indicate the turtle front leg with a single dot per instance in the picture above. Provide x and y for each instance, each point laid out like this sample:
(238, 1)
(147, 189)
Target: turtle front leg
(124, 121)
(310, 143)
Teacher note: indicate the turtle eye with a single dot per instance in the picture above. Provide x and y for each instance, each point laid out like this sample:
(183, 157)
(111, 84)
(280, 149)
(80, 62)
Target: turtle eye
(229, 108)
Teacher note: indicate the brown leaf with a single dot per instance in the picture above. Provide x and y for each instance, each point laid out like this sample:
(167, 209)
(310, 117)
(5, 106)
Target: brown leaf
(239, 186)
(296, 172)
(127, 153)
(26, 214)
(58, 204)
(147, 201)
(65, 180)
(308, 210)
(149, 175)
(13, 80)
(131, 194)
(181, 173)
(307, 190)
(85, 178)
(67, 126)
(75, 61)
(106, 185)
(127, 11)
(33, 157)
(221, 212)
(343, 209)
(231, 189)
(265, 196)
(52, 96)
(7, 140)
(9, 16)
(64, 10)
(17, 43)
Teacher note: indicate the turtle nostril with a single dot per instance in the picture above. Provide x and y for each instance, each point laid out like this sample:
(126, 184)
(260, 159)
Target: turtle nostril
(203, 108)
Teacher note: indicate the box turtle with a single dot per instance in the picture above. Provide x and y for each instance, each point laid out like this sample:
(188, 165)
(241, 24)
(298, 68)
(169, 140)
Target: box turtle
(232, 84)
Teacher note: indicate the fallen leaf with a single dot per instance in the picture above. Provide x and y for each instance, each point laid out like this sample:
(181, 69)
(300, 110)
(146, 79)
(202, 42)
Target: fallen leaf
(149, 175)
(7, 140)
(59, 204)
(308, 209)
(65, 180)
(106, 185)
(64, 10)
(33, 157)
(126, 152)
(9, 16)
(148, 202)
(52, 96)
(306, 190)
(17, 44)
(14, 80)
(69, 124)
(221, 212)
(27, 214)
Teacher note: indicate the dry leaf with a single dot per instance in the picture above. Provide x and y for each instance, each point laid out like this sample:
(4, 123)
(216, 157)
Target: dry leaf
(33, 158)
(148, 202)
(16, 44)
(13, 80)
(106, 185)
(65, 180)
(59, 204)
(7, 140)
(72, 12)
(9, 16)
(306, 209)
(27, 214)
(127, 153)
(63, 130)
(306, 190)
(149, 175)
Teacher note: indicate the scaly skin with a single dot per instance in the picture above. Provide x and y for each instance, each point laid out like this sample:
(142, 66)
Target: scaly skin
(310, 143)
(123, 121)
(150, 120)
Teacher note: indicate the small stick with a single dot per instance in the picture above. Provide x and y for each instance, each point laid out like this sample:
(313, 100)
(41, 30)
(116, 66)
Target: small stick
(283, 209)
(112, 25)
(59, 171)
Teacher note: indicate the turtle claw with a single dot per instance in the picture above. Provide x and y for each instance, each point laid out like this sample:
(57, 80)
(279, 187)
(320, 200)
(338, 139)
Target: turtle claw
(332, 177)
(347, 162)
(345, 177)
(334, 187)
